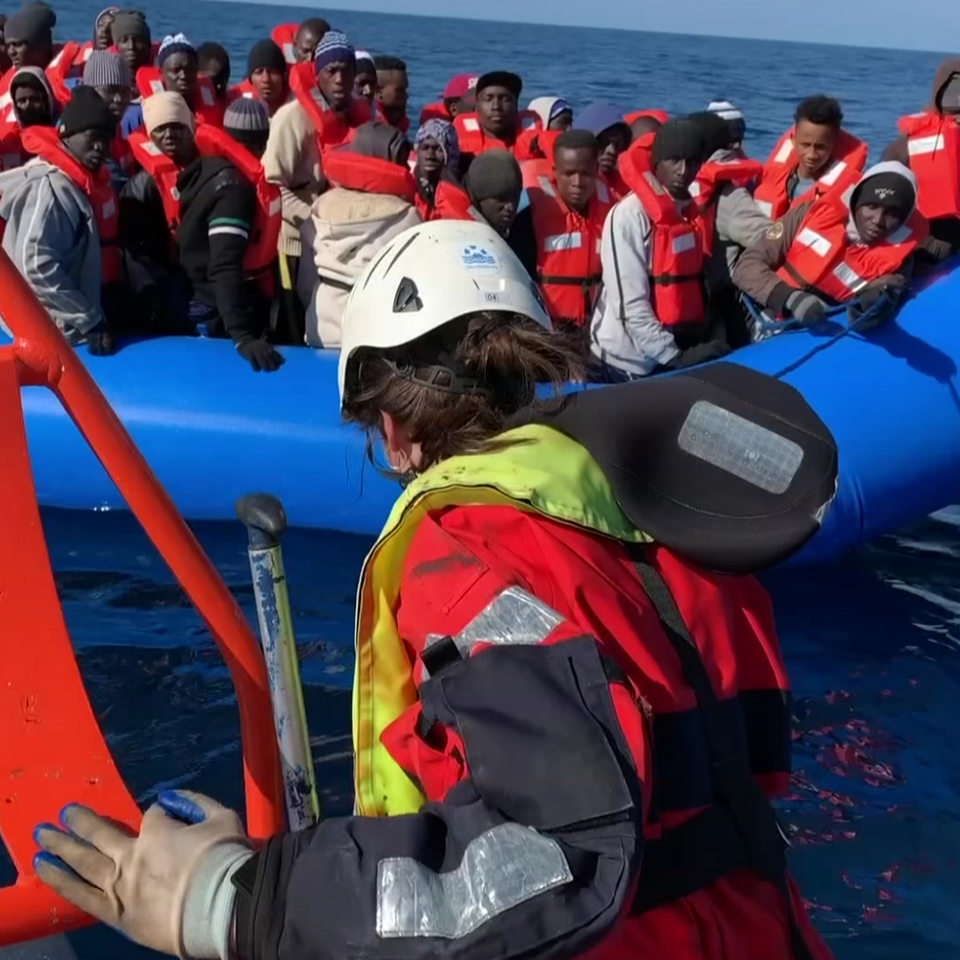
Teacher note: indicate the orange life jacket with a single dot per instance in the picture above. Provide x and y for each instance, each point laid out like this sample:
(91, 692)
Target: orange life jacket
(163, 170)
(473, 140)
(435, 111)
(206, 106)
(636, 160)
(45, 143)
(122, 155)
(261, 252)
(568, 250)
(284, 35)
(243, 89)
(772, 193)
(332, 128)
(369, 174)
(676, 265)
(822, 257)
(661, 115)
(450, 202)
(61, 69)
(12, 153)
(739, 171)
(933, 144)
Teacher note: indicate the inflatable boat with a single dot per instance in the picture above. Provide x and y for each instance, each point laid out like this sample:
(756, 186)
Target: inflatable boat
(213, 430)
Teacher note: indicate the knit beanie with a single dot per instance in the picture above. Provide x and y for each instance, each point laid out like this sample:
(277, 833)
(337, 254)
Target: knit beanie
(166, 107)
(44, 8)
(889, 189)
(495, 174)
(678, 140)
(130, 23)
(86, 110)
(713, 129)
(174, 43)
(333, 48)
(365, 62)
(247, 121)
(736, 123)
(265, 55)
(112, 11)
(29, 25)
(107, 69)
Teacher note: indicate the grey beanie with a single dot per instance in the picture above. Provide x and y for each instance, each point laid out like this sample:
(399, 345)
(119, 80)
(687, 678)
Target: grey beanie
(130, 23)
(246, 115)
(106, 69)
(495, 174)
(30, 25)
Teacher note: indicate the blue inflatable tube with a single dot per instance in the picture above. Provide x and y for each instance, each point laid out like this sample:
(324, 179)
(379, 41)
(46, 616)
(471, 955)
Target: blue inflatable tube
(213, 430)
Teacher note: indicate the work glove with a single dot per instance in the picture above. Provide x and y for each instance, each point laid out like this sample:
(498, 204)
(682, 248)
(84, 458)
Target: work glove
(876, 304)
(168, 888)
(806, 308)
(100, 341)
(260, 355)
(700, 353)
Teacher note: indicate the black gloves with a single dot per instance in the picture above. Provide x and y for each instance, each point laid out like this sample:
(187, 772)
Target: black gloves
(260, 355)
(807, 308)
(876, 304)
(700, 353)
(100, 341)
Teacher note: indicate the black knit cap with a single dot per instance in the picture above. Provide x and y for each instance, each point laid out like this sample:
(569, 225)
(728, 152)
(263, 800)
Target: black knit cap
(714, 130)
(29, 25)
(501, 78)
(886, 189)
(86, 110)
(265, 54)
(679, 139)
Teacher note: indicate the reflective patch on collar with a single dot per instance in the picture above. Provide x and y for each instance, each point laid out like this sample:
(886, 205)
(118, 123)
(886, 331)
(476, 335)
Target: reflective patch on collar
(512, 617)
(501, 869)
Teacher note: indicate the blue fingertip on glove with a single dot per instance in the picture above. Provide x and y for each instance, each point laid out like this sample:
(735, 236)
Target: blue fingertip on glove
(176, 805)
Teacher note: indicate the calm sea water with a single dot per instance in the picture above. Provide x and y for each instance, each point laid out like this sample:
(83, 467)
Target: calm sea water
(873, 643)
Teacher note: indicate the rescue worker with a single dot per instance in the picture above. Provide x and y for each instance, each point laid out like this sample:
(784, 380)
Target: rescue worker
(554, 113)
(392, 91)
(828, 251)
(569, 209)
(439, 193)
(322, 115)
(61, 219)
(730, 221)
(371, 200)
(494, 184)
(365, 81)
(606, 123)
(734, 119)
(205, 203)
(178, 70)
(558, 718)
(459, 96)
(131, 37)
(651, 312)
(267, 76)
(310, 33)
(815, 156)
(930, 145)
(497, 124)
(213, 61)
(107, 73)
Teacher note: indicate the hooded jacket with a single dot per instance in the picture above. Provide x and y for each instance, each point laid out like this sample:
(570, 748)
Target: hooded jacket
(40, 76)
(542, 106)
(756, 270)
(51, 236)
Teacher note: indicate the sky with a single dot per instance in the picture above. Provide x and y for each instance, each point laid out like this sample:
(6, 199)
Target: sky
(917, 25)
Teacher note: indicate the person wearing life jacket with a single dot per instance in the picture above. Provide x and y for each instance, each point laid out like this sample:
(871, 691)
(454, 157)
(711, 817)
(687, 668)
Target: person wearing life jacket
(323, 115)
(178, 70)
(29, 38)
(730, 221)
(440, 195)
(305, 40)
(458, 96)
(929, 143)
(209, 192)
(497, 123)
(365, 81)
(555, 115)
(392, 91)
(814, 157)
(32, 104)
(267, 77)
(838, 249)
(102, 38)
(213, 61)
(569, 208)
(131, 37)
(651, 313)
(606, 123)
(733, 117)
(633, 161)
(494, 184)
(107, 73)
(371, 200)
(61, 219)
(572, 713)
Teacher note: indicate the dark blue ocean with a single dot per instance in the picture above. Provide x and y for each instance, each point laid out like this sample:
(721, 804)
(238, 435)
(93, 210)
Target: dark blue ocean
(873, 642)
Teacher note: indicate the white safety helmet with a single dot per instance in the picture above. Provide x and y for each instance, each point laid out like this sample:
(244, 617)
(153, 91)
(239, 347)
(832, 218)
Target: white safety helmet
(428, 276)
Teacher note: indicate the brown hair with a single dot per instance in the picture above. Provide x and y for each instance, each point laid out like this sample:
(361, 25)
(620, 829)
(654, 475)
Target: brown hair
(498, 359)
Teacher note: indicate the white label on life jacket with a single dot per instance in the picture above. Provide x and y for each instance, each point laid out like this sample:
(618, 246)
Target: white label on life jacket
(156, 86)
(834, 173)
(764, 207)
(471, 124)
(546, 186)
(783, 154)
(901, 235)
(919, 146)
(562, 241)
(289, 54)
(695, 189)
(207, 95)
(849, 277)
(686, 241)
(818, 243)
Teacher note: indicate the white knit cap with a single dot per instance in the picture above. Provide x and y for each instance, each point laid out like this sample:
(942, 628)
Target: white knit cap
(725, 109)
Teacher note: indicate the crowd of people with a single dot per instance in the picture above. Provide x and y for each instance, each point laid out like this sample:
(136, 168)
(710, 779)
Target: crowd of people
(141, 192)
